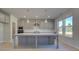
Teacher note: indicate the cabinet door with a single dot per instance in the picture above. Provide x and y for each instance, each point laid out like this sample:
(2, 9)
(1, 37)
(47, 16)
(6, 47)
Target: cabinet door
(6, 19)
(2, 17)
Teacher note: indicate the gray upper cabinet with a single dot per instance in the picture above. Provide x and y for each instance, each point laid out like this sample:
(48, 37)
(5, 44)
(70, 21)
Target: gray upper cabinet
(4, 18)
(7, 19)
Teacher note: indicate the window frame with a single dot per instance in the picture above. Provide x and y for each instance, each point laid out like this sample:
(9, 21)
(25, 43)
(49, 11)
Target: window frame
(60, 27)
(68, 26)
(64, 28)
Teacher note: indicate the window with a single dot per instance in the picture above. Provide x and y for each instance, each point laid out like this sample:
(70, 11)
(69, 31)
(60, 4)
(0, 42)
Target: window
(60, 23)
(68, 26)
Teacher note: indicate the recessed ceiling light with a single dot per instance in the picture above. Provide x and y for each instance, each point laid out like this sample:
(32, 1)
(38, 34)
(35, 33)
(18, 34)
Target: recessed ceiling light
(36, 16)
(48, 16)
(24, 16)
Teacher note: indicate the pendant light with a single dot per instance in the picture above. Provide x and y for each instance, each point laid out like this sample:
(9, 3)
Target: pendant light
(46, 21)
(45, 16)
(28, 21)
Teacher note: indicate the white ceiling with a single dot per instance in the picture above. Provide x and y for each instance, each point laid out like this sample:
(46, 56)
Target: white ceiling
(32, 12)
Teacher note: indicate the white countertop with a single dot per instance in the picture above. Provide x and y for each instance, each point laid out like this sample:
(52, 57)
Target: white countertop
(37, 34)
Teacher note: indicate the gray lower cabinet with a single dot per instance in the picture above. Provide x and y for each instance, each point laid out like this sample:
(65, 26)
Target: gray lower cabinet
(26, 41)
(42, 40)
(29, 41)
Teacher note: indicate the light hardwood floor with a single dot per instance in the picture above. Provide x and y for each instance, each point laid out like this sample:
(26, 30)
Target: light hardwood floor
(63, 47)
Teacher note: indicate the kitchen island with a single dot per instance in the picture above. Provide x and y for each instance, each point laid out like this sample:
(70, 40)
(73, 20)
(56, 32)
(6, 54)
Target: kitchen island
(36, 37)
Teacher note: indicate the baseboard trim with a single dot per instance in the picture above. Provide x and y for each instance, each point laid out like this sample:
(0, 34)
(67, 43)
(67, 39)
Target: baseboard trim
(70, 46)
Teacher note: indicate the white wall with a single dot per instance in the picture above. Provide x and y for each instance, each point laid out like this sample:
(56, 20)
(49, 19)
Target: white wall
(1, 32)
(74, 41)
